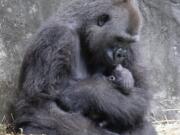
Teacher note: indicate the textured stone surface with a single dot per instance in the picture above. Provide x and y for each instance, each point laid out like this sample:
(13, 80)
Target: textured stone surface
(161, 51)
(19, 19)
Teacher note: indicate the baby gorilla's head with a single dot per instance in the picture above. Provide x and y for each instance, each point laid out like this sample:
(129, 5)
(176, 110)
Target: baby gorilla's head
(122, 79)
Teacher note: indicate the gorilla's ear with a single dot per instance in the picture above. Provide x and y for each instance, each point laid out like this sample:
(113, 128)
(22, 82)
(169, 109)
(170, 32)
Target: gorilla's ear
(51, 56)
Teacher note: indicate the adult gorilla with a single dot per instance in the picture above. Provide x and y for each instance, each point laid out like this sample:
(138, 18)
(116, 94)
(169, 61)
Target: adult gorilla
(64, 87)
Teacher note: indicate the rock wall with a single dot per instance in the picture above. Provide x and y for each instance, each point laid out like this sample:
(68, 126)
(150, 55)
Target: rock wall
(19, 19)
(161, 51)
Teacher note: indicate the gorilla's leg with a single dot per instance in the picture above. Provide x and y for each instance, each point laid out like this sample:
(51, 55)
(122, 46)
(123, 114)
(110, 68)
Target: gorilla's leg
(145, 129)
(51, 120)
(38, 130)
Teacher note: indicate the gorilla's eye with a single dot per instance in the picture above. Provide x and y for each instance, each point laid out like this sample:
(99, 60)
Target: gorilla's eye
(103, 19)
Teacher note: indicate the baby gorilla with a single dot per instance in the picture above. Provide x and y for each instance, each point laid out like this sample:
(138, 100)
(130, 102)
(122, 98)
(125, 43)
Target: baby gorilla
(121, 77)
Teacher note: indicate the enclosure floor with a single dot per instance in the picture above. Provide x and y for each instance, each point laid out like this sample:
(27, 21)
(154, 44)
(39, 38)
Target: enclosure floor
(162, 129)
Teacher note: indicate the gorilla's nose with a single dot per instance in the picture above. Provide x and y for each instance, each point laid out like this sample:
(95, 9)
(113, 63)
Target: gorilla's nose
(119, 55)
(116, 55)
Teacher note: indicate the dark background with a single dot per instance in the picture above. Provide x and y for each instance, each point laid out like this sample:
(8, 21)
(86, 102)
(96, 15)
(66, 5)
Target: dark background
(19, 19)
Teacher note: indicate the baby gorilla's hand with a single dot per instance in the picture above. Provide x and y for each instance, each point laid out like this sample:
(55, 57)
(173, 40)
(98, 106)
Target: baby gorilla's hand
(122, 79)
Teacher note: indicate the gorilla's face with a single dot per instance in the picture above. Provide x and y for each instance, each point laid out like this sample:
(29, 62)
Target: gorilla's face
(110, 34)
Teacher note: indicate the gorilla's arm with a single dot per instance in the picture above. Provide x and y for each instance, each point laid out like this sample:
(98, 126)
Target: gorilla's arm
(47, 62)
(97, 94)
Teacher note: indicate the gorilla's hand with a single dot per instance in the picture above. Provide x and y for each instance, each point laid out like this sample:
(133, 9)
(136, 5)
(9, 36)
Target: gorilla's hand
(122, 79)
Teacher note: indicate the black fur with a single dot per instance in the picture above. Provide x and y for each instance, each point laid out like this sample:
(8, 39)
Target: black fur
(63, 82)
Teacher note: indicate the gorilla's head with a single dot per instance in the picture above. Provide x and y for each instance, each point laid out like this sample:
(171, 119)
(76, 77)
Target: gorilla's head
(111, 31)
(108, 29)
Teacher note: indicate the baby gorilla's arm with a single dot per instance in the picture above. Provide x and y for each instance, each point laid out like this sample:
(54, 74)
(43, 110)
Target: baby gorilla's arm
(122, 79)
